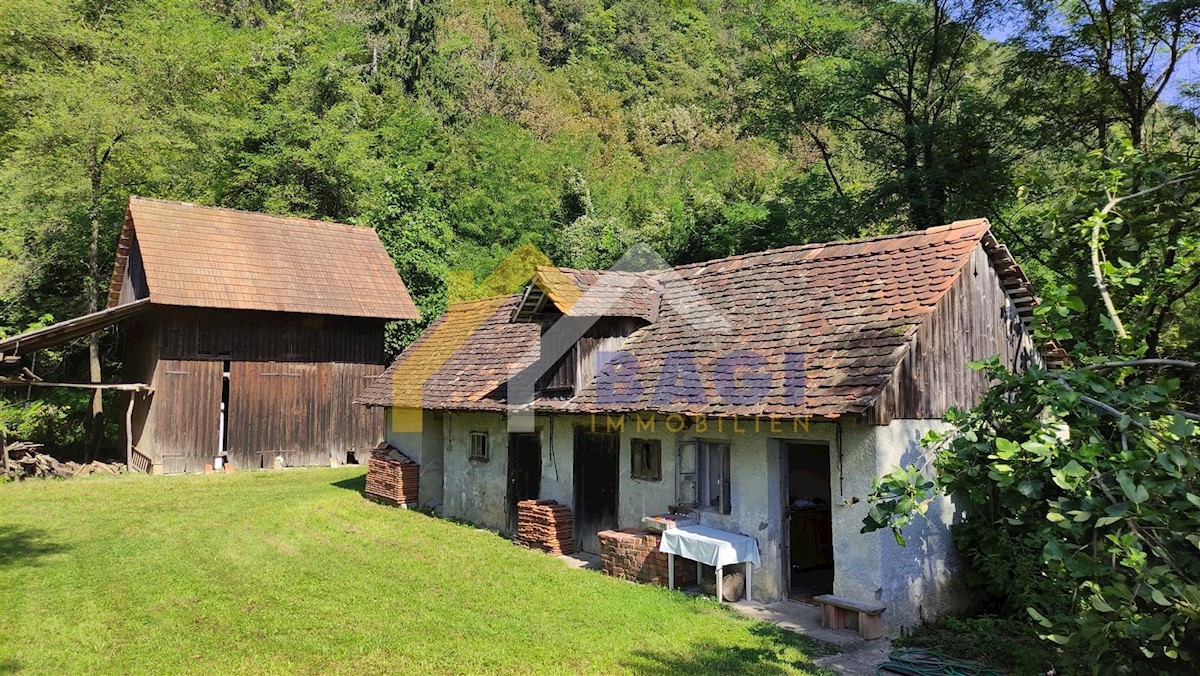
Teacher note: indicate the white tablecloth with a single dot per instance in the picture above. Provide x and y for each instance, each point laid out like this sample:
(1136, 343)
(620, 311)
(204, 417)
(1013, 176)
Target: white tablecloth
(709, 545)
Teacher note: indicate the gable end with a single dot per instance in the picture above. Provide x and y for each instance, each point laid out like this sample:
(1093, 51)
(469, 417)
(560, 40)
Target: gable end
(975, 319)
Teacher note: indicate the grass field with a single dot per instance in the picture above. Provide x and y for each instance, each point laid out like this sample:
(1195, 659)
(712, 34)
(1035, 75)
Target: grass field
(295, 571)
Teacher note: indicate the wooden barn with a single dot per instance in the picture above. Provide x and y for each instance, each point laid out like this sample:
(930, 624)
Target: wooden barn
(245, 335)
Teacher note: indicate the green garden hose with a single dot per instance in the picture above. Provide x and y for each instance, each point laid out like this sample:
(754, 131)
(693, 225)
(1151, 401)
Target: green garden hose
(918, 662)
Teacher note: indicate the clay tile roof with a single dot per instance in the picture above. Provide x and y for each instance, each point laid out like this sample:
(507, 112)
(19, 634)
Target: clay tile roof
(850, 308)
(223, 258)
(459, 361)
(599, 293)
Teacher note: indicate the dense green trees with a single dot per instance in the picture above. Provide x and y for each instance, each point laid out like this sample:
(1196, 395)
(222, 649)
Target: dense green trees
(461, 129)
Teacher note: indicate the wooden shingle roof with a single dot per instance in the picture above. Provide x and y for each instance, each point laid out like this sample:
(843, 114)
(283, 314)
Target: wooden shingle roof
(850, 308)
(223, 258)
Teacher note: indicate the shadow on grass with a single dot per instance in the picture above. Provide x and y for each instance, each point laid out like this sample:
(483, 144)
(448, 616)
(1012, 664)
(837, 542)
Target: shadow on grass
(777, 651)
(358, 484)
(23, 546)
(9, 666)
(355, 483)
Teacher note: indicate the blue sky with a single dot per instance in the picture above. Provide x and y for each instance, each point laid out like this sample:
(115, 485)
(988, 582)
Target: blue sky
(1186, 71)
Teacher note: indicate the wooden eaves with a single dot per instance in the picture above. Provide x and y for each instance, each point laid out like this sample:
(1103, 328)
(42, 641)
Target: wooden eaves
(66, 331)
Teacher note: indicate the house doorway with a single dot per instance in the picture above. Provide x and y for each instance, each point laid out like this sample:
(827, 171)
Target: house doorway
(524, 472)
(808, 523)
(596, 466)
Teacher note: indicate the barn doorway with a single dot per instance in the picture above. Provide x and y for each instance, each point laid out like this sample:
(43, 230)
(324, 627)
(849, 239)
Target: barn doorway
(524, 472)
(223, 425)
(808, 523)
(596, 466)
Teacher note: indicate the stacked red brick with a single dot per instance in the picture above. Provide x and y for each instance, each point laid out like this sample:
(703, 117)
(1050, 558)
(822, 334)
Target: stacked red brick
(393, 477)
(545, 525)
(632, 554)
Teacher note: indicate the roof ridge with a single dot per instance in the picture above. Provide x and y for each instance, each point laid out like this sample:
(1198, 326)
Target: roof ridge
(258, 214)
(955, 225)
(470, 304)
(649, 274)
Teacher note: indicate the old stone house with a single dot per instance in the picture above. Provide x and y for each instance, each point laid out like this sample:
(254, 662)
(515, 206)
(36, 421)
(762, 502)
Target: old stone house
(764, 392)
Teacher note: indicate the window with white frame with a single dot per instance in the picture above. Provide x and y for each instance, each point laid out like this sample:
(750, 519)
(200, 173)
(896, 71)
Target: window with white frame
(479, 446)
(645, 457)
(714, 476)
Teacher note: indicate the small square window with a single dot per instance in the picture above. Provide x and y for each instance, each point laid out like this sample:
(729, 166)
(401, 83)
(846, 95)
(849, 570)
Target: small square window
(646, 459)
(479, 446)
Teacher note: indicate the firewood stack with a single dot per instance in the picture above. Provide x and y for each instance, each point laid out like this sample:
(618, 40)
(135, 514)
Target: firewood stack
(545, 525)
(393, 477)
(26, 461)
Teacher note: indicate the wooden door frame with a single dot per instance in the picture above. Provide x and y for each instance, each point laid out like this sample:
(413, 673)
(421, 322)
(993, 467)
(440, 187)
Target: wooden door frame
(785, 514)
(510, 504)
(575, 481)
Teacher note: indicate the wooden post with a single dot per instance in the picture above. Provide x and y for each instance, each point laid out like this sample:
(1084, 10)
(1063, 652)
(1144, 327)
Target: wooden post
(4, 448)
(129, 432)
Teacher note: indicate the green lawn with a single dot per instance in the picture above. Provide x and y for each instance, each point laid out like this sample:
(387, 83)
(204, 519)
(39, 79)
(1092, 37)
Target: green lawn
(295, 571)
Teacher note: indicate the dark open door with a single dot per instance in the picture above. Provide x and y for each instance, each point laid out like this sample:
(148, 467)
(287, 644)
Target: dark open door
(524, 472)
(808, 519)
(785, 506)
(596, 467)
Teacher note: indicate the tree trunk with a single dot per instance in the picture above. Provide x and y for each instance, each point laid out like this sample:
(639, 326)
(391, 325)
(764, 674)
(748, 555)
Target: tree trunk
(934, 184)
(1137, 126)
(96, 424)
(913, 185)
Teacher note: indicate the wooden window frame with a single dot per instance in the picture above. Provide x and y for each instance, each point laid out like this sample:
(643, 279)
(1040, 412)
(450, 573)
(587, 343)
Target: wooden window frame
(475, 453)
(722, 502)
(641, 468)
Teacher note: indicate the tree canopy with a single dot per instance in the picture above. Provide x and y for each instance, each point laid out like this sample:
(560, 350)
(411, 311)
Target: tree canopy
(463, 129)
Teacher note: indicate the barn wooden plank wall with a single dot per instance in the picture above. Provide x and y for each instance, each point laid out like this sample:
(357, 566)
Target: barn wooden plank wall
(292, 383)
(304, 410)
(274, 336)
(187, 409)
(975, 320)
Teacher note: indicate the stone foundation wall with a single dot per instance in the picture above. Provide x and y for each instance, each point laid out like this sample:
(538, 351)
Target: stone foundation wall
(632, 554)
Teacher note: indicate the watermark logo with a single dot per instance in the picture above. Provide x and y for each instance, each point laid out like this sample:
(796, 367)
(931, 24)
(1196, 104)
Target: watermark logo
(742, 378)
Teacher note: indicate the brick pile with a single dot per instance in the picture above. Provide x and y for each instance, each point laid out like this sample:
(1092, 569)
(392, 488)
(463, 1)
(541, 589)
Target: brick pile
(545, 525)
(392, 477)
(632, 554)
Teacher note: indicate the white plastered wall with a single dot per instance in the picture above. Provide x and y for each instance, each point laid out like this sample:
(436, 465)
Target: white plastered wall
(915, 582)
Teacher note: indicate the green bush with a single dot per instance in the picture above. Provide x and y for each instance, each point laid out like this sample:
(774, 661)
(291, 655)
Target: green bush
(1083, 510)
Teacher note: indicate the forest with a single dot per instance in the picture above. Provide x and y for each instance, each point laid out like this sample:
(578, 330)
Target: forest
(462, 129)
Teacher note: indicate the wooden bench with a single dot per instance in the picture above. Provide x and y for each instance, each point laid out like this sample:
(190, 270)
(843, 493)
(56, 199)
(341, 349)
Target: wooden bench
(833, 614)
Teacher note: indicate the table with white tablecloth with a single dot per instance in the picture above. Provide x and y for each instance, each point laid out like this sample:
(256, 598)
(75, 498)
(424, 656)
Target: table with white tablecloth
(709, 546)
